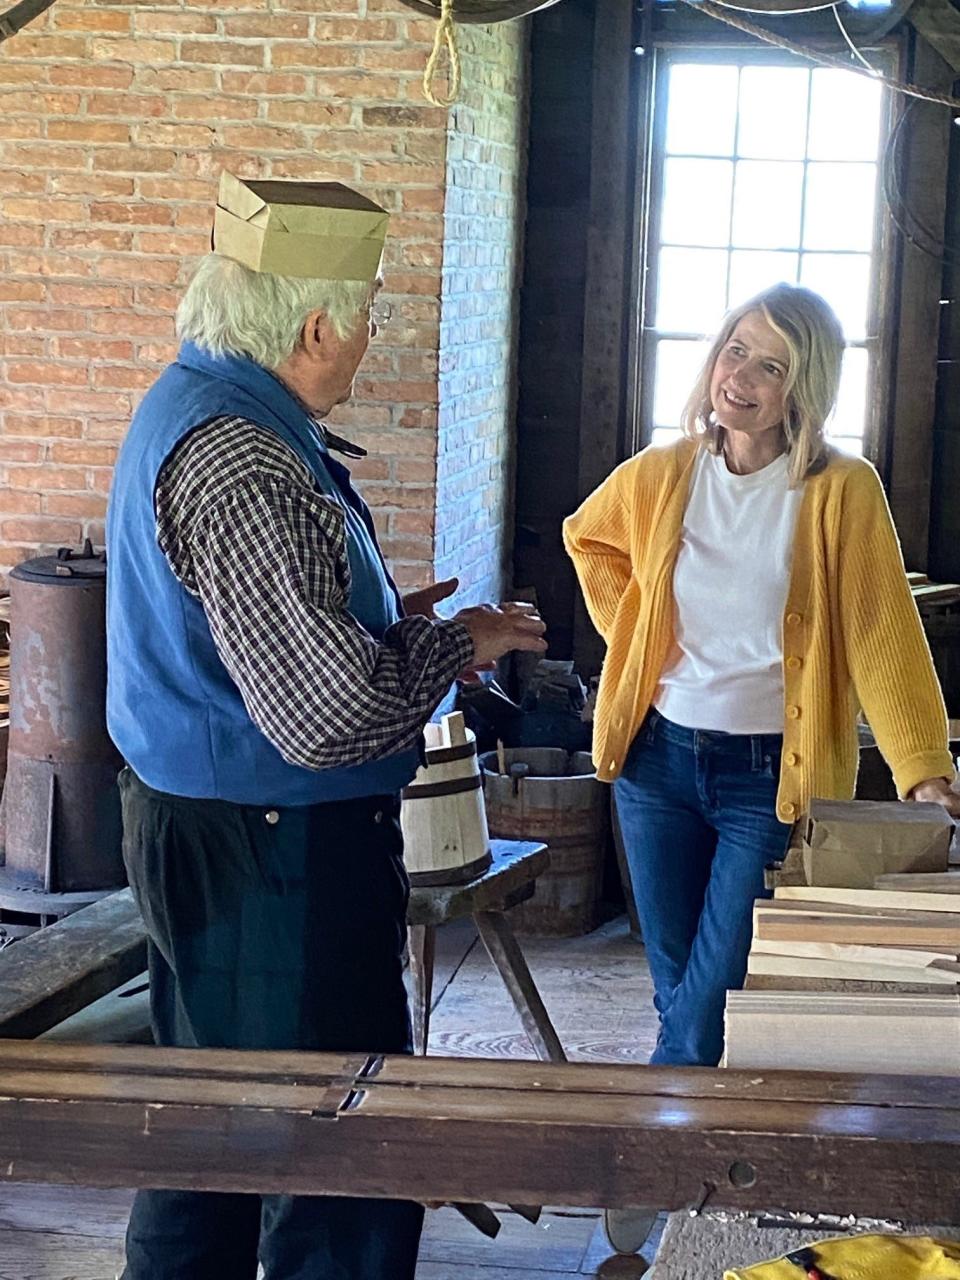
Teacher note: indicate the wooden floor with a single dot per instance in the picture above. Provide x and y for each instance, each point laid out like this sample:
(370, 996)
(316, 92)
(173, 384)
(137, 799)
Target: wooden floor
(598, 994)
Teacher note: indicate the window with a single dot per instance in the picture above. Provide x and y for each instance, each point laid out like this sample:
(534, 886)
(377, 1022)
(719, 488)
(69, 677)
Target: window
(764, 170)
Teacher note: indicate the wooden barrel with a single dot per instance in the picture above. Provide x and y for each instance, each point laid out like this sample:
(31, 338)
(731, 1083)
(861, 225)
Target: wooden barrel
(442, 816)
(554, 797)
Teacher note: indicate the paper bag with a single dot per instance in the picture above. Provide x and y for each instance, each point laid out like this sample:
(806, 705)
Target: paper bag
(848, 843)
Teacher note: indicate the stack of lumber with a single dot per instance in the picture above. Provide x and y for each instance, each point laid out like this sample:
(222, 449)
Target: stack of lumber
(851, 980)
(859, 940)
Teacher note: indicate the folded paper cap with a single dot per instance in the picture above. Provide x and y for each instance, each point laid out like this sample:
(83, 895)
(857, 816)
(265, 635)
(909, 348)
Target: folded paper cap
(311, 230)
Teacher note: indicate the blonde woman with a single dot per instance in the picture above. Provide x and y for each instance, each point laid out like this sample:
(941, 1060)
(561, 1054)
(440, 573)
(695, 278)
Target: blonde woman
(749, 585)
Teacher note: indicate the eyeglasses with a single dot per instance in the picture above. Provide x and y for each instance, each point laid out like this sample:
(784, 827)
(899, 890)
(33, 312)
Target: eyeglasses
(380, 313)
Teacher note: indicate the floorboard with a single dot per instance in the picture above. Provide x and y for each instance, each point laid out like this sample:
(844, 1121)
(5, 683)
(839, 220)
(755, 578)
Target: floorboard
(597, 991)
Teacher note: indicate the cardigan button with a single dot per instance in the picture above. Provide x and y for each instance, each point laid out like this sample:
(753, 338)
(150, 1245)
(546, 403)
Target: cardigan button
(793, 712)
(791, 758)
(788, 810)
(794, 618)
(793, 664)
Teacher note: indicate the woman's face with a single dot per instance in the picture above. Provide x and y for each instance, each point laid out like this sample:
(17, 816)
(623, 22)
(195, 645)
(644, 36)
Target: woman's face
(746, 389)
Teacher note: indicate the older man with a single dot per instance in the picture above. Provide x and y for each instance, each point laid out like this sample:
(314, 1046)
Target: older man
(268, 689)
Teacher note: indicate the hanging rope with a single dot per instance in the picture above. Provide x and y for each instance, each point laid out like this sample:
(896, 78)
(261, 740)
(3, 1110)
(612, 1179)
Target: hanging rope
(724, 14)
(446, 33)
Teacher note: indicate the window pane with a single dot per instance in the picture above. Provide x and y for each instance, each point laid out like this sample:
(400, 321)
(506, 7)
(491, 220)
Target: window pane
(844, 116)
(773, 113)
(751, 271)
(766, 204)
(702, 109)
(848, 444)
(844, 280)
(696, 202)
(691, 289)
(839, 210)
(665, 435)
(851, 411)
(678, 364)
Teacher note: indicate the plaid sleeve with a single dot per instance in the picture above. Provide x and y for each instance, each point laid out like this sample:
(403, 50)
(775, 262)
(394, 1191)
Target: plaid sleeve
(250, 535)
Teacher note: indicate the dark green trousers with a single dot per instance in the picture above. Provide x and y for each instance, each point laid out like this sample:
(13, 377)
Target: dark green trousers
(280, 929)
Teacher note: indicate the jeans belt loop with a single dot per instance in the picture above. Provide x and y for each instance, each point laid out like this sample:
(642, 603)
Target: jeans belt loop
(756, 753)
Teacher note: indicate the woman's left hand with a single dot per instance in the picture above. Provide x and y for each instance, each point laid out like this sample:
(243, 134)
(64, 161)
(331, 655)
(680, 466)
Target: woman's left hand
(937, 791)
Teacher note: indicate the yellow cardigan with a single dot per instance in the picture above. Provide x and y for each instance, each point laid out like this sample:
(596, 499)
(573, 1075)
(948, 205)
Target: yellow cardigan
(851, 633)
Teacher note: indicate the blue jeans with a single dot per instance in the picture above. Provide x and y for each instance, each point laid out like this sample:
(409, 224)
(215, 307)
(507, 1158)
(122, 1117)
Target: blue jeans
(698, 815)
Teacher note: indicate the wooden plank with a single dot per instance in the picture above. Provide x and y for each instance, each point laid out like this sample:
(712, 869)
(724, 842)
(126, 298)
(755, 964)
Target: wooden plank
(504, 951)
(47, 1256)
(51, 974)
(443, 1141)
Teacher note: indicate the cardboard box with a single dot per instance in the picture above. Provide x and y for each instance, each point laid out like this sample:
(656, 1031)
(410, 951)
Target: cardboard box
(309, 230)
(847, 843)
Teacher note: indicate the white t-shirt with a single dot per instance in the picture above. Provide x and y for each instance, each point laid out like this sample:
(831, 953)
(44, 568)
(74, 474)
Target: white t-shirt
(730, 585)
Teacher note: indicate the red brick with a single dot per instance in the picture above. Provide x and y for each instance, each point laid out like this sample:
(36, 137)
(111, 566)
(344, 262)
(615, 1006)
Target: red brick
(359, 86)
(17, 344)
(177, 79)
(158, 299)
(91, 349)
(408, 497)
(264, 84)
(39, 103)
(138, 213)
(114, 375)
(309, 111)
(83, 454)
(414, 470)
(311, 55)
(20, 502)
(41, 426)
(189, 23)
(397, 390)
(46, 210)
(90, 295)
(21, 73)
(267, 27)
(61, 48)
(132, 324)
(42, 531)
(95, 185)
(179, 243)
(92, 238)
(148, 52)
(135, 160)
(22, 290)
(19, 129)
(244, 137)
(101, 479)
(99, 20)
(99, 131)
(48, 374)
(23, 399)
(197, 107)
(418, 549)
(160, 189)
(91, 75)
(21, 235)
(413, 522)
(105, 402)
(139, 269)
(134, 106)
(39, 319)
(89, 505)
(25, 184)
(220, 54)
(160, 134)
(20, 451)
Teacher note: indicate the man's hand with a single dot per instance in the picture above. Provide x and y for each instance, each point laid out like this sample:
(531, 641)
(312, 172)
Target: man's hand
(937, 791)
(422, 602)
(495, 631)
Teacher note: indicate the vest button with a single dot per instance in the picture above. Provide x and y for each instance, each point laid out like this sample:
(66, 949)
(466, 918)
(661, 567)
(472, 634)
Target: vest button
(793, 712)
(794, 619)
(793, 664)
(791, 758)
(272, 817)
(378, 816)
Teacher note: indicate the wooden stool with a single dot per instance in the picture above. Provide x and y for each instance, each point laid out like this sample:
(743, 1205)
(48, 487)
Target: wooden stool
(510, 879)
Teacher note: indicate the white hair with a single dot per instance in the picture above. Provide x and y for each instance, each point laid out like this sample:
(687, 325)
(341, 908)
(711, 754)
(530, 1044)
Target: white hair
(230, 310)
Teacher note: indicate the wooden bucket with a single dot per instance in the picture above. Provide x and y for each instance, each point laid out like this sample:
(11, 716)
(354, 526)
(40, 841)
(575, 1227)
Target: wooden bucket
(442, 816)
(557, 800)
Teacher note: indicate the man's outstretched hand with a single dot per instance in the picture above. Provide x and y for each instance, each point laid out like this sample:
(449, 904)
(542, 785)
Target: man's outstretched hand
(494, 629)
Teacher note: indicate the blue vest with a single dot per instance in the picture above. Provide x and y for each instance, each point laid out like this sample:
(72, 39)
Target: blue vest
(172, 709)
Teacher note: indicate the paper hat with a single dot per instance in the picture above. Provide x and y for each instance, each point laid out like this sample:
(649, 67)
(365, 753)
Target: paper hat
(312, 230)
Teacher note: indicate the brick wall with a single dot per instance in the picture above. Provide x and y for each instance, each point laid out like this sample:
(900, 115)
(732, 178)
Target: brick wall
(486, 169)
(115, 121)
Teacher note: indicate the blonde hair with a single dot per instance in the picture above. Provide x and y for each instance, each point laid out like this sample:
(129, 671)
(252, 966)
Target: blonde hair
(815, 343)
(230, 310)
